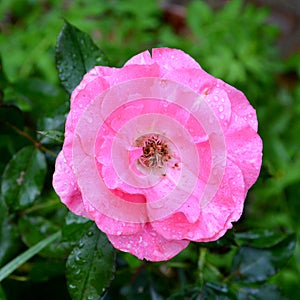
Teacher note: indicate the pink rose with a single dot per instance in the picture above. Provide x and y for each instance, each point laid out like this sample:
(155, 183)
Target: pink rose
(158, 153)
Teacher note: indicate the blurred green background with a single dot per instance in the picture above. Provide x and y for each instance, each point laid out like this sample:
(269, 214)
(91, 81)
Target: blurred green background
(241, 42)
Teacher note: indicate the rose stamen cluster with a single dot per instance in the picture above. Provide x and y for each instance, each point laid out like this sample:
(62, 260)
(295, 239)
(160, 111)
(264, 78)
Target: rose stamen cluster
(155, 153)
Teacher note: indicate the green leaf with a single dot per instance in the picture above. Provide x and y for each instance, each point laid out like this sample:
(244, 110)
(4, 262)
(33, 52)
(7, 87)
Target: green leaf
(9, 238)
(264, 292)
(216, 291)
(76, 54)
(55, 135)
(46, 270)
(259, 238)
(3, 79)
(23, 178)
(75, 226)
(2, 295)
(10, 115)
(188, 293)
(25, 256)
(36, 228)
(224, 242)
(90, 266)
(252, 265)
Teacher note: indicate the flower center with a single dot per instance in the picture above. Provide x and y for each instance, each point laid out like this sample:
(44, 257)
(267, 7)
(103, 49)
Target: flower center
(155, 151)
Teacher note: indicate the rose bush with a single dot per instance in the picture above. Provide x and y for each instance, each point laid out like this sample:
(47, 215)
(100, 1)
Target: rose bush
(158, 153)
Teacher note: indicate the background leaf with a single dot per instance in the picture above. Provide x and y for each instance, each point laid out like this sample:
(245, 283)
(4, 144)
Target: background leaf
(9, 236)
(264, 292)
(36, 228)
(255, 264)
(23, 178)
(90, 266)
(74, 227)
(76, 54)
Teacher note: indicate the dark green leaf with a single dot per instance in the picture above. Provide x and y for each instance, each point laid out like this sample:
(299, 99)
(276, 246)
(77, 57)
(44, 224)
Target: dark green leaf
(90, 266)
(75, 226)
(76, 54)
(255, 265)
(9, 237)
(189, 293)
(23, 178)
(260, 238)
(224, 242)
(262, 293)
(2, 295)
(3, 80)
(216, 291)
(25, 256)
(10, 116)
(45, 270)
(36, 228)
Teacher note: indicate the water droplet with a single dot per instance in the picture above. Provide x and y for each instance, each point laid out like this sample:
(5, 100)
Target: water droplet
(222, 117)
(163, 83)
(77, 272)
(221, 108)
(90, 233)
(81, 245)
(190, 235)
(72, 286)
(77, 258)
(90, 120)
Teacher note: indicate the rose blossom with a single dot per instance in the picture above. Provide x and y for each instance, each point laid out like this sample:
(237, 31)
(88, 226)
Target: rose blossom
(158, 153)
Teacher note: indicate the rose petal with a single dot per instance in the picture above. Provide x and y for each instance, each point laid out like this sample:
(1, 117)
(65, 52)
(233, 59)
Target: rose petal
(244, 148)
(147, 244)
(65, 185)
(215, 218)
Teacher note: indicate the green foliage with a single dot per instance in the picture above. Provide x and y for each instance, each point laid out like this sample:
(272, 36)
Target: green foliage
(76, 54)
(257, 260)
(23, 178)
(90, 266)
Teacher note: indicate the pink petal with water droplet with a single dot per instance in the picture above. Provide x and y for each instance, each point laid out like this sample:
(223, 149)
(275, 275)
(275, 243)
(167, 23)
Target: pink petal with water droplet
(65, 185)
(244, 148)
(147, 244)
(215, 218)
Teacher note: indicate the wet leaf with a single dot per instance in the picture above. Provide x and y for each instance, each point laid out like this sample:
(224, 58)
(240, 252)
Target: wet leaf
(260, 293)
(76, 54)
(252, 265)
(216, 291)
(23, 178)
(260, 238)
(90, 266)
(74, 227)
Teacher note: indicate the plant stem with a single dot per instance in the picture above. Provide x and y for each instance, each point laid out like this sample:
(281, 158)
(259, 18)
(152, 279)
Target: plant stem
(201, 263)
(33, 141)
